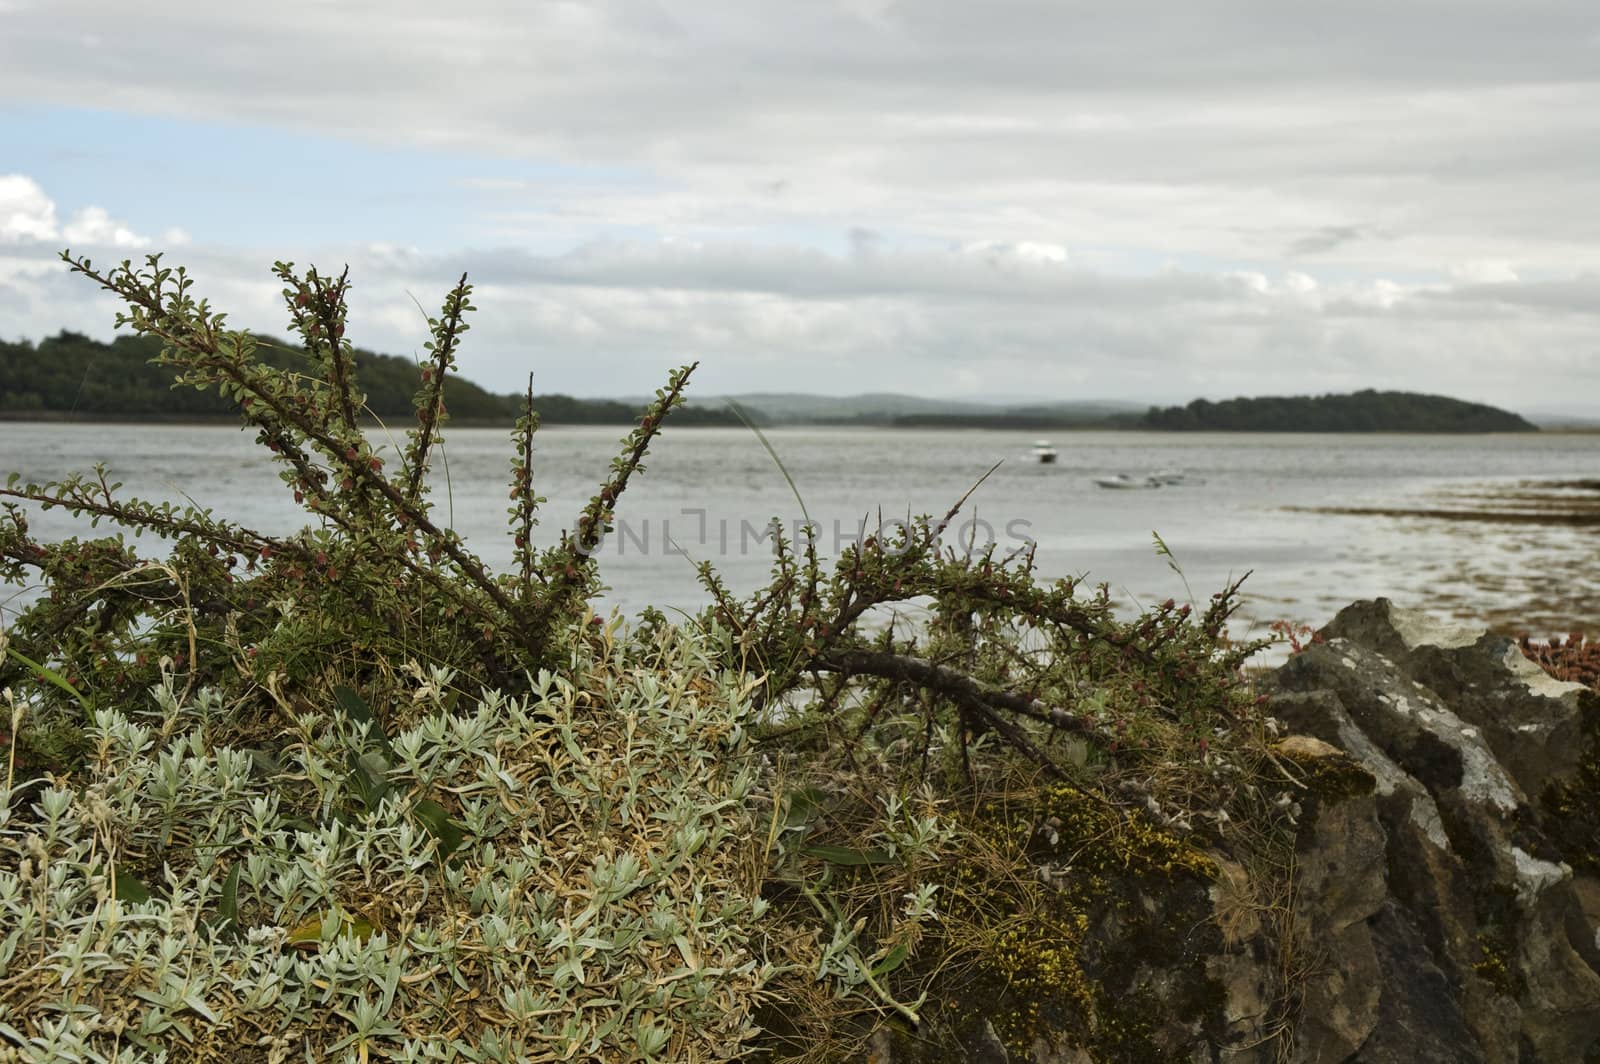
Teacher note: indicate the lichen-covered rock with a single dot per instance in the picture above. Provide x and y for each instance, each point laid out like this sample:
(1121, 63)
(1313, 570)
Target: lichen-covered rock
(1534, 723)
(1484, 946)
(1442, 792)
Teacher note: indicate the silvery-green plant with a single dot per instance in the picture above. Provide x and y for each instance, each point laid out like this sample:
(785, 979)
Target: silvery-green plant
(601, 903)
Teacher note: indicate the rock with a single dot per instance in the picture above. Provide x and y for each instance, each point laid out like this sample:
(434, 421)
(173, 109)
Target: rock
(1533, 722)
(1479, 946)
(1341, 887)
(1445, 902)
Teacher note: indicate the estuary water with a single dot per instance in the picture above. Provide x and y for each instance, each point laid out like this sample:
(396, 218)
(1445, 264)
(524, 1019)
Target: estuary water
(1317, 520)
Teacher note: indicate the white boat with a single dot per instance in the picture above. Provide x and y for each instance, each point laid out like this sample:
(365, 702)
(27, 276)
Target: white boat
(1124, 481)
(1043, 452)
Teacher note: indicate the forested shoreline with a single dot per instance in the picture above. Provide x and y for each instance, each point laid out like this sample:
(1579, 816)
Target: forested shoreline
(1363, 411)
(71, 376)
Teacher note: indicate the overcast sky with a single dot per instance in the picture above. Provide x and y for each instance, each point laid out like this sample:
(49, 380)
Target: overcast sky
(982, 198)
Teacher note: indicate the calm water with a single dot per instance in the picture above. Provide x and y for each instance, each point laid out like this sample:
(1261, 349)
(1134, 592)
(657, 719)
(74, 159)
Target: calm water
(704, 486)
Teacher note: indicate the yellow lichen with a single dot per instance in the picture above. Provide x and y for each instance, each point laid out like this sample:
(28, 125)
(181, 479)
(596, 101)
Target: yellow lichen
(1098, 865)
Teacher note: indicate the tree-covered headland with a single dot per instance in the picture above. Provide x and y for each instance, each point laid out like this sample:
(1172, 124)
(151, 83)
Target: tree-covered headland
(70, 375)
(1363, 411)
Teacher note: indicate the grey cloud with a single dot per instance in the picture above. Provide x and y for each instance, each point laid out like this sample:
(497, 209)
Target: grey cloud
(1151, 125)
(615, 318)
(934, 143)
(1576, 295)
(1326, 239)
(13, 302)
(989, 274)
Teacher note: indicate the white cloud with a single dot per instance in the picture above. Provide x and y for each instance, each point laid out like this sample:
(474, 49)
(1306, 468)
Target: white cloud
(1026, 251)
(1483, 271)
(26, 213)
(95, 227)
(1299, 283)
(612, 318)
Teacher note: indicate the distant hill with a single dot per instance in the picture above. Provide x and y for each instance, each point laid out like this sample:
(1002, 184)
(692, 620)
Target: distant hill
(1568, 419)
(1031, 418)
(1364, 411)
(911, 411)
(72, 376)
(876, 407)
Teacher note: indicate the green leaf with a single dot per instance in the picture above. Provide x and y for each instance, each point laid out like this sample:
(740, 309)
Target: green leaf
(197, 1004)
(892, 960)
(369, 778)
(434, 817)
(58, 680)
(308, 933)
(355, 707)
(225, 925)
(840, 855)
(804, 803)
(228, 906)
(129, 888)
(349, 926)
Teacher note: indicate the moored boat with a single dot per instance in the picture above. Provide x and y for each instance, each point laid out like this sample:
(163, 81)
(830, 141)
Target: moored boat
(1124, 481)
(1173, 477)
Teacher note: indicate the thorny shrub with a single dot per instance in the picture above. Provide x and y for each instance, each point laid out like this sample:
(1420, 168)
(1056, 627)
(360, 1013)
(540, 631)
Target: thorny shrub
(374, 790)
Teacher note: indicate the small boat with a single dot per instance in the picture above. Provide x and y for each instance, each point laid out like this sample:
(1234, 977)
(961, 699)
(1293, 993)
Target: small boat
(1124, 481)
(1174, 477)
(1043, 452)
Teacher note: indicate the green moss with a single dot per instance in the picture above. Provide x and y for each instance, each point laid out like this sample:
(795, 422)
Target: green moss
(1335, 778)
(1491, 965)
(1067, 961)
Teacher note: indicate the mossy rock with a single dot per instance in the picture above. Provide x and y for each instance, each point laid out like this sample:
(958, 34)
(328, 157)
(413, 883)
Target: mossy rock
(1098, 945)
(1326, 771)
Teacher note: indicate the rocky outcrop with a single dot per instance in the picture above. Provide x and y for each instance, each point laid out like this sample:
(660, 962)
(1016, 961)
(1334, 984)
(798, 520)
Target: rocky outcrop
(1479, 943)
(1445, 902)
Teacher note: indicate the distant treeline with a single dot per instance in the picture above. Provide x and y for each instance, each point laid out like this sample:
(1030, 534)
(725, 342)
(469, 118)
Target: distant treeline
(1364, 411)
(1020, 421)
(71, 375)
